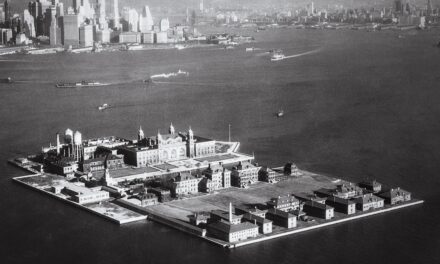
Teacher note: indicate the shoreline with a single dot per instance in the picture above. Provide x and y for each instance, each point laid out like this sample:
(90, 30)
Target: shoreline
(144, 213)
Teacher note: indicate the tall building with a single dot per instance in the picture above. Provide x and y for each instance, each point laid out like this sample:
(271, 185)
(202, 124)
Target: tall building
(133, 20)
(164, 24)
(76, 5)
(86, 36)
(146, 20)
(7, 8)
(2, 12)
(53, 31)
(29, 24)
(429, 8)
(116, 14)
(102, 17)
(71, 30)
(398, 6)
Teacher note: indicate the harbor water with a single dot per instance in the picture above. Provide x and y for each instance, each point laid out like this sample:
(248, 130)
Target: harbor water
(363, 105)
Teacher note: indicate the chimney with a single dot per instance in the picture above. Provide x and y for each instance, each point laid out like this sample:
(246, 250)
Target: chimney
(58, 143)
(230, 212)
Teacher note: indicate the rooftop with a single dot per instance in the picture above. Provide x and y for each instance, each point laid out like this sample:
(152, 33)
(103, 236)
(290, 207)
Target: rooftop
(280, 213)
(318, 205)
(228, 228)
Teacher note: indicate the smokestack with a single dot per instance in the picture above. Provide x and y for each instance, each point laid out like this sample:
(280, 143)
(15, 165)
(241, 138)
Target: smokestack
(58, 143)
(230, 212)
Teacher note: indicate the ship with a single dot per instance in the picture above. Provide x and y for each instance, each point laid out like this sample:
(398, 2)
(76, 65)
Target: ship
(280, 113)
(6, 80)
(78, 84)
(103, 107)
(277, 55)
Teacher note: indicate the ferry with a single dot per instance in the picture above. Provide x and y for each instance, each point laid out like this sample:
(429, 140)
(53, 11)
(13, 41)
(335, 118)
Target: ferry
(6, 80)
(78, 84)
(103, 107)
(277, 55)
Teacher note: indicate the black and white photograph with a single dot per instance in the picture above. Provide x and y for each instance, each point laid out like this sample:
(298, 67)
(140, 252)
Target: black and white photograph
(219, 131)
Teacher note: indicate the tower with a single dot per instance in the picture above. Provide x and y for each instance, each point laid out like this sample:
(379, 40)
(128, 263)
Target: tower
(141, 135)
(108, 181)
(102, 22)
(158, 138)
(53, 26)
(230, 213)
(116, 14)
(58, 143)
(7, 11)
(146, 20)
(429, 8)
(190, 144)
(172, 130)
(77, 146)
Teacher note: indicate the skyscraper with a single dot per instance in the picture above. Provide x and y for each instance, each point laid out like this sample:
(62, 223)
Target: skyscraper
(2, 12)
(133, 20)
(164, 24)
(7, 8)
(71, 30)
(29, 24)
(53, 32)
(102, 21)
(146, 20)
(429, 8)
(116, 14)
(86, 36)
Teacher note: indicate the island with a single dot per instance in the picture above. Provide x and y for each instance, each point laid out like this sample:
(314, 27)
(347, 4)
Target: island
(198, 185)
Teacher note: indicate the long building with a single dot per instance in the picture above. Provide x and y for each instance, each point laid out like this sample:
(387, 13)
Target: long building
(166, 147)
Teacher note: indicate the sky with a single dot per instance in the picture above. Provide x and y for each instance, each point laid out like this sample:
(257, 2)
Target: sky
(19, 5)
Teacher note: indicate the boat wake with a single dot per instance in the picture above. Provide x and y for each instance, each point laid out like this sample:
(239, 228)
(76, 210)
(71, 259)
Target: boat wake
(169, 75)
(302, 54)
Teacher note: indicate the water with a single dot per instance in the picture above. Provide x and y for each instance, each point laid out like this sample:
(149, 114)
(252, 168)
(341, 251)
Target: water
(365, 105)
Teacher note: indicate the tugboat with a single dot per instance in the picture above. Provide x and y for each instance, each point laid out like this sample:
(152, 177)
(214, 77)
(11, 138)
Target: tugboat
(277, 55)
(103, 107)
(280, 113)
(6, 80)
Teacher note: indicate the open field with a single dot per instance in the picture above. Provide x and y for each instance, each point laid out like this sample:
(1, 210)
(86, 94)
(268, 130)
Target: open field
(258, 193)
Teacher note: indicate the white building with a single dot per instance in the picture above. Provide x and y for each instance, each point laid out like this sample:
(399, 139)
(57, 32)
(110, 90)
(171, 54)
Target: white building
(146, 20)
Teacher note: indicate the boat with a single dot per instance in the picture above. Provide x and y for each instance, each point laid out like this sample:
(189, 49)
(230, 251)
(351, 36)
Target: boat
(280, 113)
(277, 55)
(250, 49)
(179, 47)
(103, 107)
(78, 84)
(167, 75)
(149, 80)
(6, 80)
